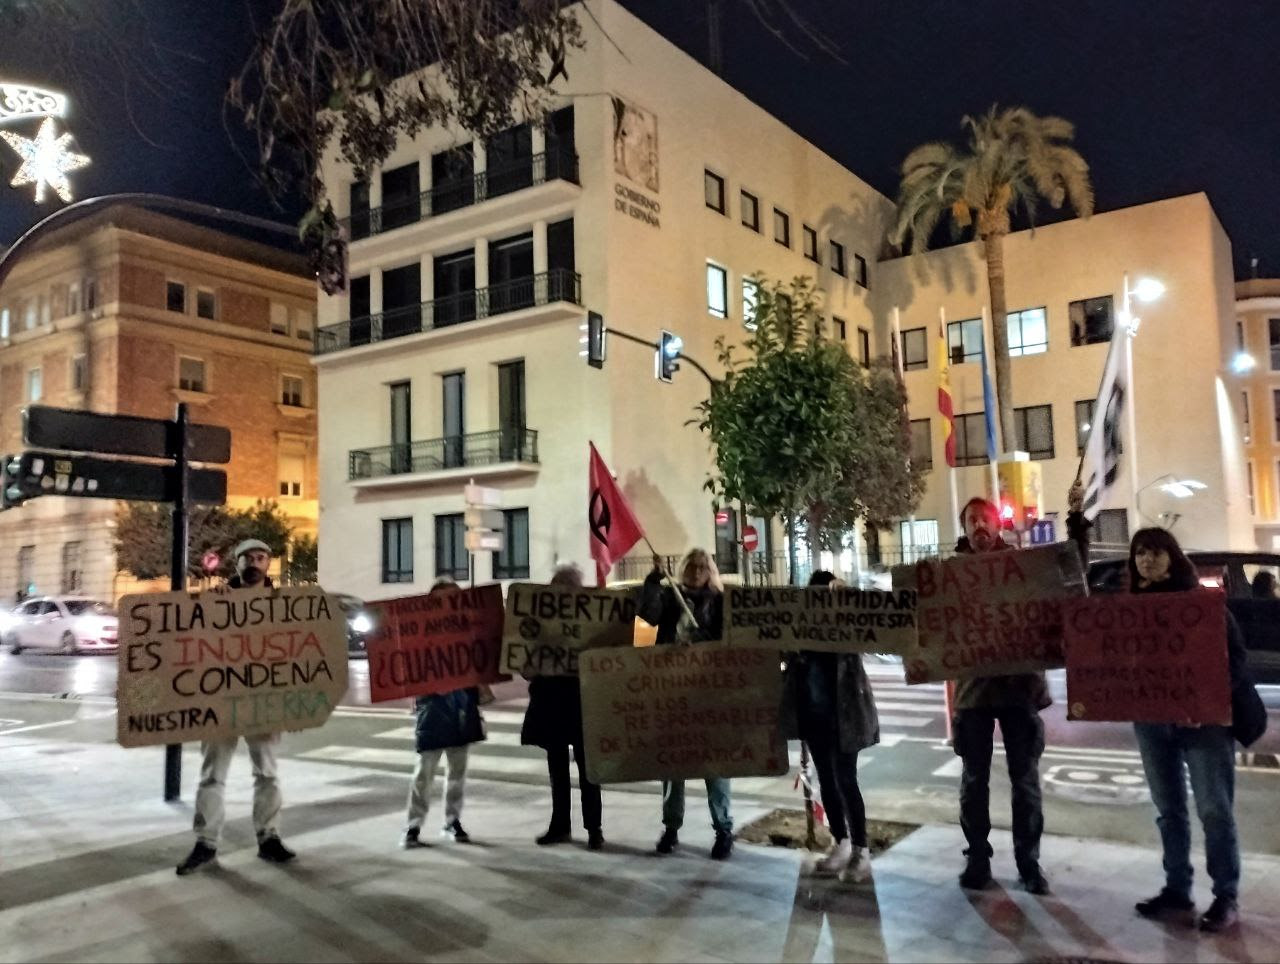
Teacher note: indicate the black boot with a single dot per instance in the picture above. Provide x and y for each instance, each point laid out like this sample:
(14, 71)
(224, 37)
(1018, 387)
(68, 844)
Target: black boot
(200, 855)
(1166, 903)
(668, 842)
(1221, 915)
(977, 873)
(554, 835)
(723, 846)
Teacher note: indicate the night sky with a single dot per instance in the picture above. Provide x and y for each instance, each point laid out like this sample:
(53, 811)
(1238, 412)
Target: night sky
(1168, 96)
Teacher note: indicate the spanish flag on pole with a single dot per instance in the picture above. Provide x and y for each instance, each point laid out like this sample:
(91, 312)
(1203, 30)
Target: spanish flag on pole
(944, 398)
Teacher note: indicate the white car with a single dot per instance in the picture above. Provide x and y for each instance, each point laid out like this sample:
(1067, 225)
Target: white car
(68, 624)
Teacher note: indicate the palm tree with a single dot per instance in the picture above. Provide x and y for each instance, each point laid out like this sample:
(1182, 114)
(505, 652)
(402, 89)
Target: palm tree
(1013, 158)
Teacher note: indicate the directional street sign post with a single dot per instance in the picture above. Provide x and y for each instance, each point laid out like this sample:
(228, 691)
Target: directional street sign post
(485, 522)
(64, 460)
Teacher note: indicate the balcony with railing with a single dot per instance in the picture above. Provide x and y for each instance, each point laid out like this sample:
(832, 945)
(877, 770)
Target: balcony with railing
(450, 196)
(505, 451)
(557, 285)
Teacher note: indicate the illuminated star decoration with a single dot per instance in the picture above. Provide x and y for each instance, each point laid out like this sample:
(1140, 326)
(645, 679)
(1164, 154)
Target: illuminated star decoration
(46, 159)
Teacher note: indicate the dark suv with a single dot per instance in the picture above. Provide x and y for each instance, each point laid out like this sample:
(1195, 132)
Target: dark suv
(1235, 573)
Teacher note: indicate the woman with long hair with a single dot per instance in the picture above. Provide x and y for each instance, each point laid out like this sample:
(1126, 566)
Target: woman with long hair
(1169, 752)
(659, 606)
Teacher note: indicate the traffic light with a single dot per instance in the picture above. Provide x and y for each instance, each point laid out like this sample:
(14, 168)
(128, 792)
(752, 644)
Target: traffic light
(1021, 494)
(15, 488)
(667, 361)
(1006, 515)
(593, 340)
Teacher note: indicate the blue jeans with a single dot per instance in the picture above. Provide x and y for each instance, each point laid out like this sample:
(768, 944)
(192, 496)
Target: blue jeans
(1208, 753)
(717, 803)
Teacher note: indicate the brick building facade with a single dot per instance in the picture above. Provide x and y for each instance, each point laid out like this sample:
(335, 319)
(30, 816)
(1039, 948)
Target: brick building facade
(128, 311)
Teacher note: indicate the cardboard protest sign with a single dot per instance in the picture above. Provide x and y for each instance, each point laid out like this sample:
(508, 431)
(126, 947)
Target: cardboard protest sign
(1157, 658)
(839, 620)
(443, 641)
(548, 626)
(222, 665)
(990, 613)
(679, 712)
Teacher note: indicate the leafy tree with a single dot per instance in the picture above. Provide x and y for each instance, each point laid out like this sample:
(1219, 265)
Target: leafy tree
(1013, 159)
(801, 431)
(304, 560)
(144, 536)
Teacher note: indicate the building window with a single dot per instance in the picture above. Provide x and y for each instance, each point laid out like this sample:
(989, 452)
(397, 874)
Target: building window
(90, 294)
(810, 237)
(750, 294)
(1111, 527)
(839, 330)
(1273, 336)
(30, 314)
(921, 444)
(175, 297)
(451, 547)
(717, 290)
(302, 323)
(35, 384)
(971, 439)
(26, 571)
(397, 550)
(1092, 320)
(713, 191)
(191, 374)
(291, 390)
(279, 318)
(292, 463)
(1028, 332)
(72, 574)
(915, 350)
(1239, 334)
(872, 535)
(79, 372)
(1033, 429)
(782, 228)
(1253, 506)
(1084, 422)
(864, 347)
(1245, 427)
(726, 554)
(750, 205)
(4, 323)
(513, 561)
(837, 258)
(206, 304)
(919, 538)
(964, 340)
(73, 298)
(1275, 405)
(860, 270)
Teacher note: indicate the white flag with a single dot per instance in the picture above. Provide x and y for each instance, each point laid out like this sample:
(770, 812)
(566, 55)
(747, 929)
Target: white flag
(1102, 452)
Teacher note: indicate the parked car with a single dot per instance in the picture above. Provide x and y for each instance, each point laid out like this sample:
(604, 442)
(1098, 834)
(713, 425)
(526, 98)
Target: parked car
(358, 624)
(68, 624)
(1236, 574)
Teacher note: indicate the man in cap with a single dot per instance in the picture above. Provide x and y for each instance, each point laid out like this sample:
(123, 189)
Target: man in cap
(252, 559)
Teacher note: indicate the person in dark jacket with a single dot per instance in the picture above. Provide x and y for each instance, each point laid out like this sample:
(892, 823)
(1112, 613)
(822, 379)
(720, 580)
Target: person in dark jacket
(1158, 564)
(252, 558)
(553, 721)
(1015, 703)
(659, 606)
(835, 713)
(447, 724)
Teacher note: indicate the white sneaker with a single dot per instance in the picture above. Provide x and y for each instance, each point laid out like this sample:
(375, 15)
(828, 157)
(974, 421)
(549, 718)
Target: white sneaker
(858, 869)
(836, 859)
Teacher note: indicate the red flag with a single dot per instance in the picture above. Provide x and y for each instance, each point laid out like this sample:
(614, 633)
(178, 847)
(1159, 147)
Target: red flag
(944, 400)
(613, 526)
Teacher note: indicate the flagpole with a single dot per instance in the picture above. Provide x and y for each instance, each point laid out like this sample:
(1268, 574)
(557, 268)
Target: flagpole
(1001, 443)
(951, 469)
(684, 603)
(1130, 407)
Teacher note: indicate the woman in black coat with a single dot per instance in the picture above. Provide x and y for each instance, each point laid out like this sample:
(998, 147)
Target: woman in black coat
(553, 721)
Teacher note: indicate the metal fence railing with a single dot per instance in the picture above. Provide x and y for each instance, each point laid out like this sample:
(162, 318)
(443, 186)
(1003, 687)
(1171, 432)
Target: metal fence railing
(449, 452)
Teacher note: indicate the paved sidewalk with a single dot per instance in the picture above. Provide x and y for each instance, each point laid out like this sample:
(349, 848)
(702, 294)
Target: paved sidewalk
(87, 851)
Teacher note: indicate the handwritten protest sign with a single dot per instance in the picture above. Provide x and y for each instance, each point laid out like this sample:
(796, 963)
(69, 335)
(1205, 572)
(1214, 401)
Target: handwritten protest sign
(840, 620)
(217, 666)
(548, 626)
(1159, 658)
(443, 641)
(991, 613)
(678, 712)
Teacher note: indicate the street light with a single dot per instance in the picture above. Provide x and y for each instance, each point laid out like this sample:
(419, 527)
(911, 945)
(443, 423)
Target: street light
(1176, 487)
(1243, 363)
(1146, 291)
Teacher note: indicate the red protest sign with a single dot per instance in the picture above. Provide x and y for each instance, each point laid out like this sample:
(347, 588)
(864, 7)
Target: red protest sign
(447, 640)
(1152, 658)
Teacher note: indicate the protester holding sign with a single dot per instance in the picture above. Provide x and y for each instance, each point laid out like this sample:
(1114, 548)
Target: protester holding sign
(252, 559)
(553, 721)
(699, 617)
(1015, 702)
(447, 723)
(835, 713)
(1158, 564)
